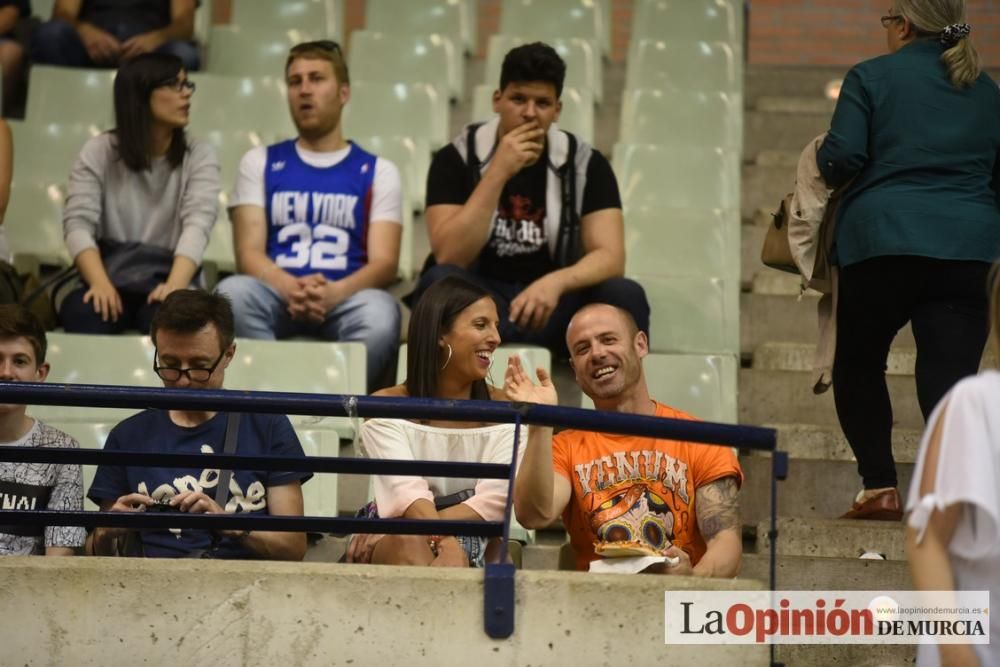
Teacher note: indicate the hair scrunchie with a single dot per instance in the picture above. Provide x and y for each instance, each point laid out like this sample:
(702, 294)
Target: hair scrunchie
(951, 34)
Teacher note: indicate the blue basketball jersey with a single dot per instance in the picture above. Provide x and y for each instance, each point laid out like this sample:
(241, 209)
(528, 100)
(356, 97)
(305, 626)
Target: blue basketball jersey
(318, 216)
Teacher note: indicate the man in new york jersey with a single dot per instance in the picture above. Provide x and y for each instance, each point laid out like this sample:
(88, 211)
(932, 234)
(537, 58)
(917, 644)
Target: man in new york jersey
(317, 224)
(626, 494)
(528, 211)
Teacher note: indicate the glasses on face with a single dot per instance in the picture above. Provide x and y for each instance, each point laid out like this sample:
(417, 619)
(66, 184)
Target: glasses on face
(178, 84)
(888, 19)
(324, 44)
(173, 374)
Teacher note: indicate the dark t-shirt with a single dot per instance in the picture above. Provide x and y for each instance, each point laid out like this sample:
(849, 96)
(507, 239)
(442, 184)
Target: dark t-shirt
(517, 250)
(153, 431)
(144, 14)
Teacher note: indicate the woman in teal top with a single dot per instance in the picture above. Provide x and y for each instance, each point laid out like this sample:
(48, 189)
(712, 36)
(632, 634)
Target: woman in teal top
(918, 131)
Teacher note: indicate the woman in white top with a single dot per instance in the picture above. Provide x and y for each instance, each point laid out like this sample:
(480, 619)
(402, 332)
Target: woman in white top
(141, 204)
(452, 336)
(953, 527)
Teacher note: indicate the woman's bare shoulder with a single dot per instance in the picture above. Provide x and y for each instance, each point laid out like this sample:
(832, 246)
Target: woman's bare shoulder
(397, 390)
(497, 393)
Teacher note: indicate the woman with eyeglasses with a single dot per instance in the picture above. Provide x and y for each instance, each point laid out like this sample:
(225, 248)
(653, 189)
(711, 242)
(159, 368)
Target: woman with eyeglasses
(915, 139)
(142, 201)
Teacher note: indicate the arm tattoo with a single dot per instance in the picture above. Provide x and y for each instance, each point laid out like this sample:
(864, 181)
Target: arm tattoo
(716, 507)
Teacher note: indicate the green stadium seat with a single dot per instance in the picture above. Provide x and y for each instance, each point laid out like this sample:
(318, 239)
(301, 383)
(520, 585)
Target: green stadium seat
(416, 110)
(90, 359)
(324, 17)
(661, 176)
(301, 366)
(412, 155)
(553, 19)
(33, 225)
(220, 256)
(45, 153)
(704, 386)
(248, 104)
(531, 355)
(666, 241)
(319, 494)
(203, 22)
(582, 58)
(680, 65)
(681, 20)
(577, 112)
(244, 51)
(381, 57)
(71, 95)
(692, 313)
(419, 17)
(682, 119)
(42, 9)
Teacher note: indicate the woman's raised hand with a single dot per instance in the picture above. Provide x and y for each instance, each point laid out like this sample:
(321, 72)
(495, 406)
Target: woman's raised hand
(519, 387)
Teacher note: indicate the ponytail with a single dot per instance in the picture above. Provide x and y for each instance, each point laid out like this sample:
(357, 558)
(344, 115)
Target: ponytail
(962, 62)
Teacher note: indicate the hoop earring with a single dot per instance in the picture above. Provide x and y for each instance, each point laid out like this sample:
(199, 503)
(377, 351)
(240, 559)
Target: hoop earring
(448, 360)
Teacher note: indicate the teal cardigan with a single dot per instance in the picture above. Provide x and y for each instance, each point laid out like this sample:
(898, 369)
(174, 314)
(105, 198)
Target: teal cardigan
(925, 157)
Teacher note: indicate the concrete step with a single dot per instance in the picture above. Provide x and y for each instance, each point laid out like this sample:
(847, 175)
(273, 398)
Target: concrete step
(751, 240)
(807, 441)
(787, 81)
(764, 186)
(784, 396)
(833, 538)
(763, 130)
(773, 281)
(777, 158)
(846, 655)
(799, 357)
(812, 573)
(786, 317)
(814, 489)
(796, 104)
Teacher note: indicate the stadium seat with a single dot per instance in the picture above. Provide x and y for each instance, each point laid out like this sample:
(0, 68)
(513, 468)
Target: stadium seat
(90, 359)
(553, 19)
(682, 119)
(417, 111)
(692, 314)
(244, 51)
(301, 366)
(220, 256)
(532, 356)
(319, 494)
(33, 223)
(380, 57)
(577, 112)
(71, 95)
(248, 104)
(666, 241)
(42, 9)
(324, 17)
(684, 20)
(582, 58)
(661, 176)
(45, 153)
(681, 65)
(704, 386)
(419, 17)
(412, 155)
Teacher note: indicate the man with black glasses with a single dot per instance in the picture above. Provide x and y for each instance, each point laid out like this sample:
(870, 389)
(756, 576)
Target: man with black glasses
(193, 338)
(317, 224)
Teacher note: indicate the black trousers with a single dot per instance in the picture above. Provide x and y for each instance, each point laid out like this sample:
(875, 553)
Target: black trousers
(622, 292)
(946, 303)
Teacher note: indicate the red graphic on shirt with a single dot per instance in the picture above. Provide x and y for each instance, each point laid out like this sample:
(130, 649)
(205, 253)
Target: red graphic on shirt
(519, 228)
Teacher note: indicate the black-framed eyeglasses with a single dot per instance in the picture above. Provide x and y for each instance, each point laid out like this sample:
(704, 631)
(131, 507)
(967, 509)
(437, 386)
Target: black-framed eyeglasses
(324, 44)
(178, 84)
(173, 374)
(888, 19)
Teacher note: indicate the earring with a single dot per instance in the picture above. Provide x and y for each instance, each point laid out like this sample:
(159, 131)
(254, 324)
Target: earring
(448, 360)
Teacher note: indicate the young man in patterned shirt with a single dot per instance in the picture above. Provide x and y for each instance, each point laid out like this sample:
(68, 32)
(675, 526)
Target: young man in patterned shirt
(32, 486)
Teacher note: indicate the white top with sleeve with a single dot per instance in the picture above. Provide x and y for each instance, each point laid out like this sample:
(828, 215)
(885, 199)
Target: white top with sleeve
(401, 439)
(969, 473)
(387, 189)
(172, 208)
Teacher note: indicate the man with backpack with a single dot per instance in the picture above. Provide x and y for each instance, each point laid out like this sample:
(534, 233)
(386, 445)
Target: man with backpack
(528, 211)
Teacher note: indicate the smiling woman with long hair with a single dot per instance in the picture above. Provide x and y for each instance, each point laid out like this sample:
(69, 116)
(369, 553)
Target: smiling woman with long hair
(141, 204)
(452, 337)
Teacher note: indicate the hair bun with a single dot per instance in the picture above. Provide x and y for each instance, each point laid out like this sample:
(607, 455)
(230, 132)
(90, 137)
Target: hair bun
(953, 33)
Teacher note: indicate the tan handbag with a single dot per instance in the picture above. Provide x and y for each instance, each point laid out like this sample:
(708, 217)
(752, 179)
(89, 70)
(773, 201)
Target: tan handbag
(776, 252)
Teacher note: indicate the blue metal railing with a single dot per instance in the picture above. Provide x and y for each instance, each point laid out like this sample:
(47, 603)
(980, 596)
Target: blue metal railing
(499, 578)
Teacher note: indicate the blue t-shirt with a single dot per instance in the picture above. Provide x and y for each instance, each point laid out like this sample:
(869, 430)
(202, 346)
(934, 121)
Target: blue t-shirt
(318, 216)
(153, 431)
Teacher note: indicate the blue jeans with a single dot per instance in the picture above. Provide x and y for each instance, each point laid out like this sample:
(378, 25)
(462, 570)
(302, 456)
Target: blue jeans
(370, 316)
(57, 43)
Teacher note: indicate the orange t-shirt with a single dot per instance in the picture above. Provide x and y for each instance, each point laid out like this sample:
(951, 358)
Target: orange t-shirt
(634, 488)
